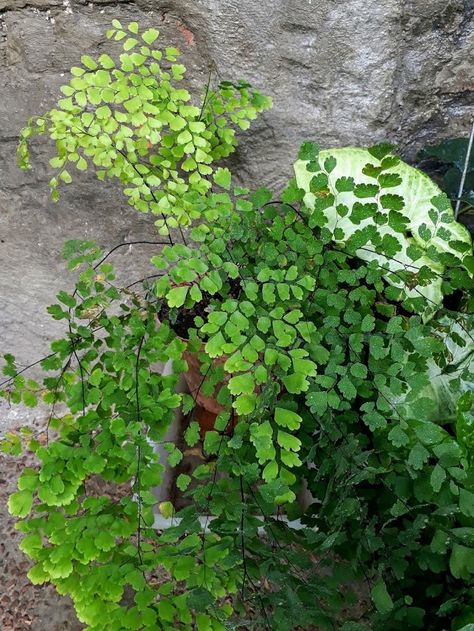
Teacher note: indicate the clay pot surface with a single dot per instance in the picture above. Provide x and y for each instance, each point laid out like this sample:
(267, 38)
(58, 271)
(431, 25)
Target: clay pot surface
(207, 406)
(195, 379)
(206, 421)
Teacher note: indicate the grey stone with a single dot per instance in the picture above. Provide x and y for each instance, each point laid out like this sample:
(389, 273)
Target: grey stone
(12, 5)
(457, 76)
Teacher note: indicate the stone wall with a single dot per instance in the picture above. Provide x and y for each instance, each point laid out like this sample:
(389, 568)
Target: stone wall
(340, 71)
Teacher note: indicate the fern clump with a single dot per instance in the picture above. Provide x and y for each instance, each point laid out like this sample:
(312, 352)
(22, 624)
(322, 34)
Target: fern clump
(334, 328)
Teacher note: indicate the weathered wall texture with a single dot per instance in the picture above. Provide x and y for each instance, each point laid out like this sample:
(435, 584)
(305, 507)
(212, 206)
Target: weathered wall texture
(340, 71)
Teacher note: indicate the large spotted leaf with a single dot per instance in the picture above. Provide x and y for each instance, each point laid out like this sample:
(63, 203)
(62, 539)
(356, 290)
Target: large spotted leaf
(429, 220)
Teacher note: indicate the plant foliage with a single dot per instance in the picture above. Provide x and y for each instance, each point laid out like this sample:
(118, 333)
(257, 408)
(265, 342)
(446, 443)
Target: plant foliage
(130, 119)
(316, 323)
(445, 162)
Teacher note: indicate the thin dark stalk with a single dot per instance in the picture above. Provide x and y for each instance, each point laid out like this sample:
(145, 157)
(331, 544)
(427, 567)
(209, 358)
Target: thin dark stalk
(206, 93)
(463, 177)
(32, 365)
(242, 537)
(141, 280)
(121, 245)
(139, 452)
(83, 392)
(60, 378)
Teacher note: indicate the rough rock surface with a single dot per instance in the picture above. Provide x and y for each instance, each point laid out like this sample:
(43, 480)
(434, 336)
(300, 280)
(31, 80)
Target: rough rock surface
(339, 71)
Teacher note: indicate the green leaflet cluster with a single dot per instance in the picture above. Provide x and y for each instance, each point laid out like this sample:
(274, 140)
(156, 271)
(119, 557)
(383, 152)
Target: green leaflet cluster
(325, 320)
(386, 210)
(130, 119)
(94, 546)
(321, 350)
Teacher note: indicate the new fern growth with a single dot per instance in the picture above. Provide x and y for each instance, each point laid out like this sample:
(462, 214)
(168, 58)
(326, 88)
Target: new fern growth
(130, 119)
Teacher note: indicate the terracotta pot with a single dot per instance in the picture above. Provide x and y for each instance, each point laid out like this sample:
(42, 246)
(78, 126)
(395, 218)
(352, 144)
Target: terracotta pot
(207, 407)
(194, 379)
(206, 421)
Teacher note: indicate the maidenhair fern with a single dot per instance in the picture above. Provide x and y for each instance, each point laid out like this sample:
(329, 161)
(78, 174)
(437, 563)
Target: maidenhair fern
(130, 119)
(322, 319)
